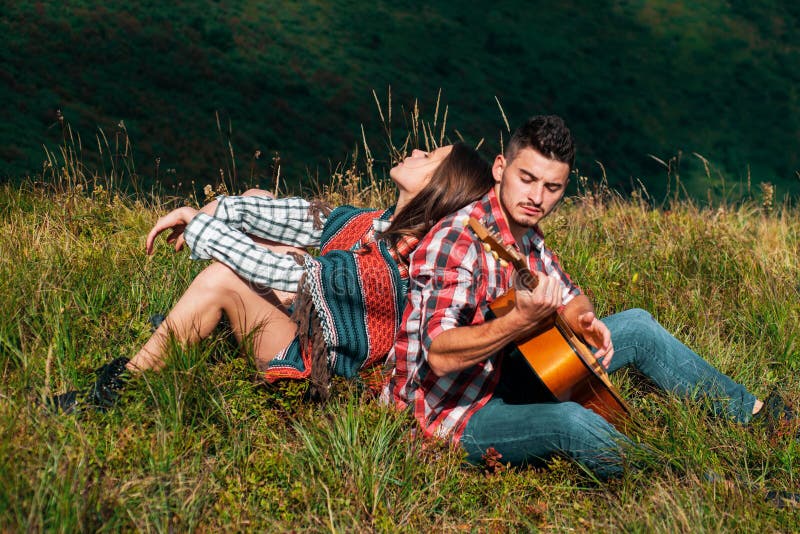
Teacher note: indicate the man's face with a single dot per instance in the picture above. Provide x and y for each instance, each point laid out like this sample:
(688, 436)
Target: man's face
(529, 187)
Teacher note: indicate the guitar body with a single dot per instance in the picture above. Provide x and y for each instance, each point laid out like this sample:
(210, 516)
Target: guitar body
(566, 367)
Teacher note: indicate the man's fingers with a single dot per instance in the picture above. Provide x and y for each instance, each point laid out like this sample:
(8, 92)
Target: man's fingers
(607, 358)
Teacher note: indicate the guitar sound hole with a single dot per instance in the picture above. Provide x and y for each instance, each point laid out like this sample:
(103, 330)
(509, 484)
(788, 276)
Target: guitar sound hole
(519, 384)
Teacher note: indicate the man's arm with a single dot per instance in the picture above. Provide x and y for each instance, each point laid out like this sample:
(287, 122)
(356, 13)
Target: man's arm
(459, 348)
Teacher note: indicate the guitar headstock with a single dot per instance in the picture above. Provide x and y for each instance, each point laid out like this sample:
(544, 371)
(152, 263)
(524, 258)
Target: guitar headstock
(493, 242)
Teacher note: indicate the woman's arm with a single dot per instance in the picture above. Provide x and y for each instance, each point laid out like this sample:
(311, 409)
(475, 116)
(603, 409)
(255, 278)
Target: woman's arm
(290, 221)
(209, 238)
(210, 209)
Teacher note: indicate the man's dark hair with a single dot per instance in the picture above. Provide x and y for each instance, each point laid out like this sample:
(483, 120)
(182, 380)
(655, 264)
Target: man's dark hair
(548, 135)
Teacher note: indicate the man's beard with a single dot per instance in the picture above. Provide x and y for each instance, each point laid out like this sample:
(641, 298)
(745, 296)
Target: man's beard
(527, 221)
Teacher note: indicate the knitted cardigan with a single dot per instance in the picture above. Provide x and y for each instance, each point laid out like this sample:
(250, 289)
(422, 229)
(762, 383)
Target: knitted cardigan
(353, 293)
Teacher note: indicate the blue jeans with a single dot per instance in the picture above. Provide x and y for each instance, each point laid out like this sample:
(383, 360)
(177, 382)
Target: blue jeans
(529, 433)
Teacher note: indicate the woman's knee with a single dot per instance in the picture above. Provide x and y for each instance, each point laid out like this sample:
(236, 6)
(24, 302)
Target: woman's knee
(218, 279)
(254, 192)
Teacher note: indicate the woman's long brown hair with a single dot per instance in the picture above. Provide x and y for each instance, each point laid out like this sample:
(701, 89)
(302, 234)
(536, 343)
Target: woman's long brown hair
(462, 177)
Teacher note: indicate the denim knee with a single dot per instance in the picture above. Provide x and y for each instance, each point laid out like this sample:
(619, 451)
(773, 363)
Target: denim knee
(638, 318)
(583, 424)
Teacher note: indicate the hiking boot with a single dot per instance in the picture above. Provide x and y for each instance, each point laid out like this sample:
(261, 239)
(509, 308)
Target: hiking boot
(155, 321)
(101, 395)
(776, 416)
(111, 378)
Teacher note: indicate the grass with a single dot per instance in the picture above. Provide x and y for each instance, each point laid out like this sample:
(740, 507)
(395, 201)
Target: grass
(201, 446)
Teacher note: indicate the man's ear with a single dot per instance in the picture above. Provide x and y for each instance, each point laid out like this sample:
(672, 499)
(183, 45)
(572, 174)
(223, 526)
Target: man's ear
(498, 166)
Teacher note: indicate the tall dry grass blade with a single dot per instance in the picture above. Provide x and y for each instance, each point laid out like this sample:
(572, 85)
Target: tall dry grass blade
(436, 109)
(378, 105)
(276, 171)
(503, 114)
(369, 160)
(444, 125)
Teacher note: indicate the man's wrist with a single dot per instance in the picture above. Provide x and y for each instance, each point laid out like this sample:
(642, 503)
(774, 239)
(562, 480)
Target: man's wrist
(515, 324)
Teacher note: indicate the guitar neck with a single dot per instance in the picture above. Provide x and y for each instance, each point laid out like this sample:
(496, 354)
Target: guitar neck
(494, 244)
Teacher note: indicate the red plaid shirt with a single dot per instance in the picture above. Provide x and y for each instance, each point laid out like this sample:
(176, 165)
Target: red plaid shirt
(452, 282)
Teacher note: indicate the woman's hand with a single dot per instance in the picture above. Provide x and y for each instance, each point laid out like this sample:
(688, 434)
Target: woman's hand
(211, 208)
(176, 220)
(176, 237)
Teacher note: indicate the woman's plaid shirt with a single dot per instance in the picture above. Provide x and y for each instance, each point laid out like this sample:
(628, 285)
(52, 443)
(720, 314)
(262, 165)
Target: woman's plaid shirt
(224, 238)
(452, 282)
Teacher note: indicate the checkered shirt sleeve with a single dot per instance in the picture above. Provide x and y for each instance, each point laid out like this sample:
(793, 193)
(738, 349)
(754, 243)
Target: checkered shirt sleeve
(285, 220)
(224, 239)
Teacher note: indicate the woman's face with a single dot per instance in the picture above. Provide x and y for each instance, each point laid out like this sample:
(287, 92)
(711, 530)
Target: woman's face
(413, 173)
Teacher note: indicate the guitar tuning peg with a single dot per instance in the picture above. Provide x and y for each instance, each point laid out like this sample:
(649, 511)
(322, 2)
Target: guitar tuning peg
(503, 263)
(487, 247)
(495, 256)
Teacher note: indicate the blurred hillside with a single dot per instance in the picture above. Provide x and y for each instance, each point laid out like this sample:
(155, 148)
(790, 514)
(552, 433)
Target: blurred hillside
(633, 78)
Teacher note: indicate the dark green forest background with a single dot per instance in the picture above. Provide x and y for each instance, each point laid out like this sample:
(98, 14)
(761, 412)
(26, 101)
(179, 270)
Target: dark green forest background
(633, 78)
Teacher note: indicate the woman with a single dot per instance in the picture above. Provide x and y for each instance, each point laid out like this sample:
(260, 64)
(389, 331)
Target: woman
(345, 304)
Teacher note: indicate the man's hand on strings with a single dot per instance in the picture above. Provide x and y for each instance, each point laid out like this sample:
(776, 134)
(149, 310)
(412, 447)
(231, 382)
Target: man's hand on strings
(597, 334)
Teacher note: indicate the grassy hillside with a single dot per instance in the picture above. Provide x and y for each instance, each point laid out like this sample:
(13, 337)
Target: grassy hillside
(634, 79)
(201, 447)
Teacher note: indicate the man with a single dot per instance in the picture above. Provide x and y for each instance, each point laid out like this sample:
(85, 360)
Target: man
(450, 368)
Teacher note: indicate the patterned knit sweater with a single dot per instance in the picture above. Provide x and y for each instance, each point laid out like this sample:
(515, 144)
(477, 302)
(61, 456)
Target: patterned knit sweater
(356, 293)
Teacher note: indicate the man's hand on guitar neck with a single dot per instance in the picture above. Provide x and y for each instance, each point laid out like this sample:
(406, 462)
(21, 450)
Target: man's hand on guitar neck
(539, 304)
(579, 314)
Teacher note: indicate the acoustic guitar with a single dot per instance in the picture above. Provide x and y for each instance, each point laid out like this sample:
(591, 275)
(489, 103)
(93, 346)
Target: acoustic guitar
(558, 359)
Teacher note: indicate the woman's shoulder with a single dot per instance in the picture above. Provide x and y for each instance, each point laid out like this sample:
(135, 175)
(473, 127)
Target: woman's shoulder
(348, 211)
(351, 218)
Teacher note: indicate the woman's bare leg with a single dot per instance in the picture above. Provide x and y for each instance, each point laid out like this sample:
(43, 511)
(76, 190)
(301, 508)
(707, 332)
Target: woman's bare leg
(217, 290)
